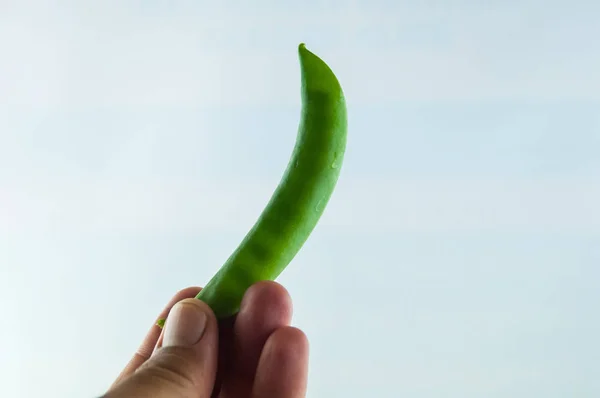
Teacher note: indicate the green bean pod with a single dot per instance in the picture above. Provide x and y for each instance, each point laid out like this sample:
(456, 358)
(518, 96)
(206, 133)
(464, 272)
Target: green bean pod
(301, 196)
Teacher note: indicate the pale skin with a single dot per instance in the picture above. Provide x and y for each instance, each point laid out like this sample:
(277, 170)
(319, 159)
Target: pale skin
(256, 354)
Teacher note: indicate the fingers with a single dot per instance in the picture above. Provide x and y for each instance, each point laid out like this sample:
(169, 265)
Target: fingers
(186, 364)
(145, 349)
(258, 337)
(265, 308)
(283, 366)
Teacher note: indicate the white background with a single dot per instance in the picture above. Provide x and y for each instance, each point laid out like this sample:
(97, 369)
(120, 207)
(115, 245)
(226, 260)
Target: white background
(458, 257)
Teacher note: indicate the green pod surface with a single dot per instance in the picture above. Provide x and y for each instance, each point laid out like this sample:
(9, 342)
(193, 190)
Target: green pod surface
(300, 198)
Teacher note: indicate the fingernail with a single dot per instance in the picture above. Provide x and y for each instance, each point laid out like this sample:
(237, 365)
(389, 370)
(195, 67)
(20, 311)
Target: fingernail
(185, 325)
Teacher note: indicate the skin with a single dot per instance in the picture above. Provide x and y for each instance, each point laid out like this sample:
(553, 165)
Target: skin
(259, 354)
(301, 197)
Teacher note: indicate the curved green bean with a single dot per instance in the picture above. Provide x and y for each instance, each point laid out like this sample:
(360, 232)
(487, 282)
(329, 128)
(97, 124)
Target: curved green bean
(301, 196)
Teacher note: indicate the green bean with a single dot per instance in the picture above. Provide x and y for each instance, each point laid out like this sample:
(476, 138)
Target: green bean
(301, 196)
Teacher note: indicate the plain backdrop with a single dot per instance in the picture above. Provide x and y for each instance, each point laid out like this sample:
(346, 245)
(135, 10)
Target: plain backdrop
(459, 256)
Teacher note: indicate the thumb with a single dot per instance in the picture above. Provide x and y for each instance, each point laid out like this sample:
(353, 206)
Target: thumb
(185, 365)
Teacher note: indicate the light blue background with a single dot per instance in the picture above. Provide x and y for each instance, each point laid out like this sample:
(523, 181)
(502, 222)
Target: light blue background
(458, 257)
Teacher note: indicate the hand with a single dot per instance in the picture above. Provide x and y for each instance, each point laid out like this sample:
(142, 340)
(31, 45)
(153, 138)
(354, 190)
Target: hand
(254, 355)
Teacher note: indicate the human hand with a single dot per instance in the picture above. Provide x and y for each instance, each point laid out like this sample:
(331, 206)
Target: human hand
(254, 355)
